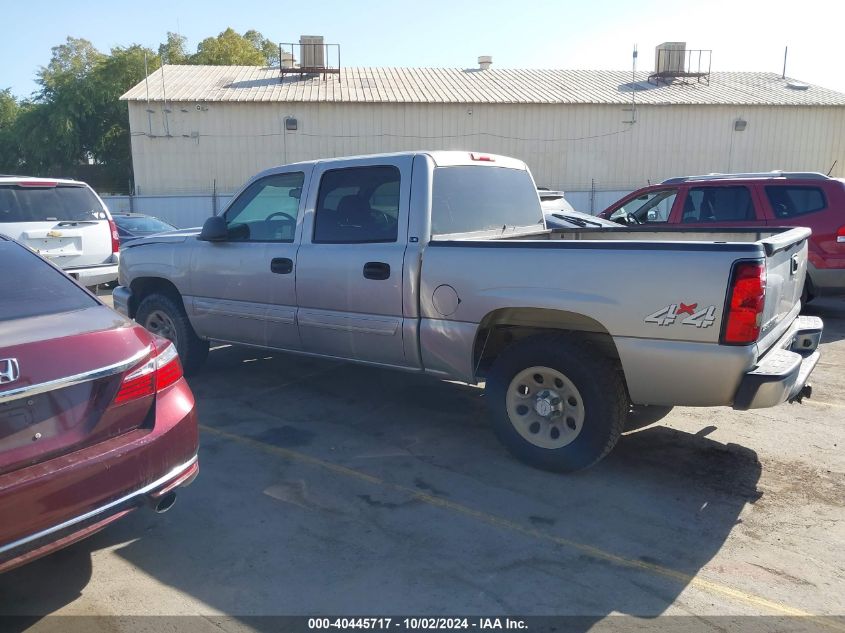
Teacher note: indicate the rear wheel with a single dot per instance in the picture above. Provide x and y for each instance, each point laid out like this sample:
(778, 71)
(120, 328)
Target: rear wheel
(165, 316)
(556, 402)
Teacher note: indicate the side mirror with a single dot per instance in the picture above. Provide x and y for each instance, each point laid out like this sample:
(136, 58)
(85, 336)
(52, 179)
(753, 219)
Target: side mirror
(214, 230)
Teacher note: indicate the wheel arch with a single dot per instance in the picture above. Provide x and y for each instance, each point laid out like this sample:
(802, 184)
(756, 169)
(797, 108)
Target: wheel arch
(143, 287)
(503, 327)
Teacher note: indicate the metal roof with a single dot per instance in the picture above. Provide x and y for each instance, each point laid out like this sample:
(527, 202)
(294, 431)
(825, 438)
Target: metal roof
(455, 85)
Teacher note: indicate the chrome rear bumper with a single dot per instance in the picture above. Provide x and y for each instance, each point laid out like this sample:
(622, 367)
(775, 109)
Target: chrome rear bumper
(782, 374)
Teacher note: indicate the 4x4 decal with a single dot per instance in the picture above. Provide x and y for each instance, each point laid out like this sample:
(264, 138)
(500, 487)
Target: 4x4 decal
(671, 313)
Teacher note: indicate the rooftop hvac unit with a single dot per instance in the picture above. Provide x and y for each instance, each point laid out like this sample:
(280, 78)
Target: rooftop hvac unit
(670, 58)
(313, 52)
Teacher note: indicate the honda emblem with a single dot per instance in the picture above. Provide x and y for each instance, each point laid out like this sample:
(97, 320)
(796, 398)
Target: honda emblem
(10, 371)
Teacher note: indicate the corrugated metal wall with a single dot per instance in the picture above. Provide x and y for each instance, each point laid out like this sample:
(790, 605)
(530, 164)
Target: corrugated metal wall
(569, 147)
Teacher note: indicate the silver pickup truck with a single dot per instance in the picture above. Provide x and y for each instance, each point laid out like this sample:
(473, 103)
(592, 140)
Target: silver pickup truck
(440, 262)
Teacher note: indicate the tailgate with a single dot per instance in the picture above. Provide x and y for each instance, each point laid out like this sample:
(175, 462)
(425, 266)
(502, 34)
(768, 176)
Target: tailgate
(70, 244)
(786, 269)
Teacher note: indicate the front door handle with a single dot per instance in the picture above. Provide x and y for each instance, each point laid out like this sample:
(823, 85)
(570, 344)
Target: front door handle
(281, 265)
(377, 270)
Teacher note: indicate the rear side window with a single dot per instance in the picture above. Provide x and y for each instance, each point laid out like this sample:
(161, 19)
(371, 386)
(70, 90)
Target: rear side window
(788, 202)
(60, 203)
(31, 287)
(471, 198)
(358, 205)
(718, 204)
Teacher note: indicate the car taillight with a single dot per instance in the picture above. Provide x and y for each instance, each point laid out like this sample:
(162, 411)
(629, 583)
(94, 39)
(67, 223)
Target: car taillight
(115, 237)
(840, 235)
(156, 374)
(744, 310)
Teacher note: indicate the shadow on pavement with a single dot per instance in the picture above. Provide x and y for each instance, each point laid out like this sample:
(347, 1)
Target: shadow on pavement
(261, 534)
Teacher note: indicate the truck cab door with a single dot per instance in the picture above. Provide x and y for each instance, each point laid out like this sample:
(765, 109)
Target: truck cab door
(350, 263)
(243, 288)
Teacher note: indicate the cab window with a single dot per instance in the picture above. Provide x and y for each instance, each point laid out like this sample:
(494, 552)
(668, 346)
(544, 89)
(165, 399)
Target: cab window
(358, 205)
(651, 207)
(266, 211)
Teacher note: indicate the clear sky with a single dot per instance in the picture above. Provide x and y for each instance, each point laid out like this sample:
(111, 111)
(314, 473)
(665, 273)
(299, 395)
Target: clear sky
(589, 34)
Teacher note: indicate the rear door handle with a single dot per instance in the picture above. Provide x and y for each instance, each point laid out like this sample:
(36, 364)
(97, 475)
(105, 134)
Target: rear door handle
(794, 265)
(281, 265)
(377, 270)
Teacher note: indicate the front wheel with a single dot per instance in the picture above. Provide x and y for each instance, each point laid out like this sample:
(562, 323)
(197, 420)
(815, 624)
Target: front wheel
(556, 402)
(165, 316)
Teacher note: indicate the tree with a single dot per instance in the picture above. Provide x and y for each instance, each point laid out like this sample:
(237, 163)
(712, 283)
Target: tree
(69, 63)
(173, 50)
(109, 135)
(77, 117)
(229, 48)
(269, 49)
(9, 151)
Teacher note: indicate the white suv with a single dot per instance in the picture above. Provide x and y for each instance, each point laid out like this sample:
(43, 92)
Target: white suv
(64, 221)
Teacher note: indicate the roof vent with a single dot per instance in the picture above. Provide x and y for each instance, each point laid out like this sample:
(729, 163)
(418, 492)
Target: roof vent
(484, 62)
(796, 85)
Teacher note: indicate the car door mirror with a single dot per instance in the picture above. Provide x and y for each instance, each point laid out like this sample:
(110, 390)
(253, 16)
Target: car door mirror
(214, 230)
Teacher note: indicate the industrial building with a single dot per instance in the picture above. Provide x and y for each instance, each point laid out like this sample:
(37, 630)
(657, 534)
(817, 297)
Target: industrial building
(201, 128)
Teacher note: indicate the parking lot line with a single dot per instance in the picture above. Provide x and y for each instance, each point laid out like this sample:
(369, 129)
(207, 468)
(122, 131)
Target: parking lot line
(710, 586)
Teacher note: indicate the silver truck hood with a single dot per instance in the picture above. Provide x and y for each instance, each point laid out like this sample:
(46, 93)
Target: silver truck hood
(170, 237)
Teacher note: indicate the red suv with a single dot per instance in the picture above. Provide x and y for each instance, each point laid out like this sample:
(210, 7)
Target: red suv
(757, 199)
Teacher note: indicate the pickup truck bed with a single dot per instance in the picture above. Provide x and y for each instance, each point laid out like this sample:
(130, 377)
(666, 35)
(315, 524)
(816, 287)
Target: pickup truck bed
(440, 262)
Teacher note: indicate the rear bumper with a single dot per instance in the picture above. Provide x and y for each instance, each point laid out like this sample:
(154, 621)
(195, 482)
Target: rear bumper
(783, 372)
(93, 275)
(55, 503)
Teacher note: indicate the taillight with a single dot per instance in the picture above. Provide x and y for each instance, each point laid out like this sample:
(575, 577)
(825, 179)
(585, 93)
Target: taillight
(115, 237)
(159, 372)
(840, 235)
(744, 310)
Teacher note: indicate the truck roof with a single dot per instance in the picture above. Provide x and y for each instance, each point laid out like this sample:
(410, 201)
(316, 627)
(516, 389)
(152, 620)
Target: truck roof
(442, 158)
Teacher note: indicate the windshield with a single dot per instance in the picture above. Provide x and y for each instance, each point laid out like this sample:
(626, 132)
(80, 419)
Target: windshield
(48, 204)
(471, 198)
(31, 287)
(142, 224)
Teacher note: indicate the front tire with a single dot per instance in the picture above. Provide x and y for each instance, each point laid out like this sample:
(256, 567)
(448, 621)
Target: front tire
(556, 402)
(165, 316)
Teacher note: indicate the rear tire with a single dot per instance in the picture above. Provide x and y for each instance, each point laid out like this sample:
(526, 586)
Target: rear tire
(544, 383)
(165, 316)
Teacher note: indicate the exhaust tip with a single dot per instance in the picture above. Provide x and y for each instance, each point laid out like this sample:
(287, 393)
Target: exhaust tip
(165, 503)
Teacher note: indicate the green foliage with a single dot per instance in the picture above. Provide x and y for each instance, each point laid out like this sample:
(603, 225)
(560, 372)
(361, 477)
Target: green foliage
(173, 50)
(9, 111)
(76, 118)
(228, 48)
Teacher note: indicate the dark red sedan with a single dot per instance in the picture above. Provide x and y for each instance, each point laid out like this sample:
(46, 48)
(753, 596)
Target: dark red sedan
(95, 416)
